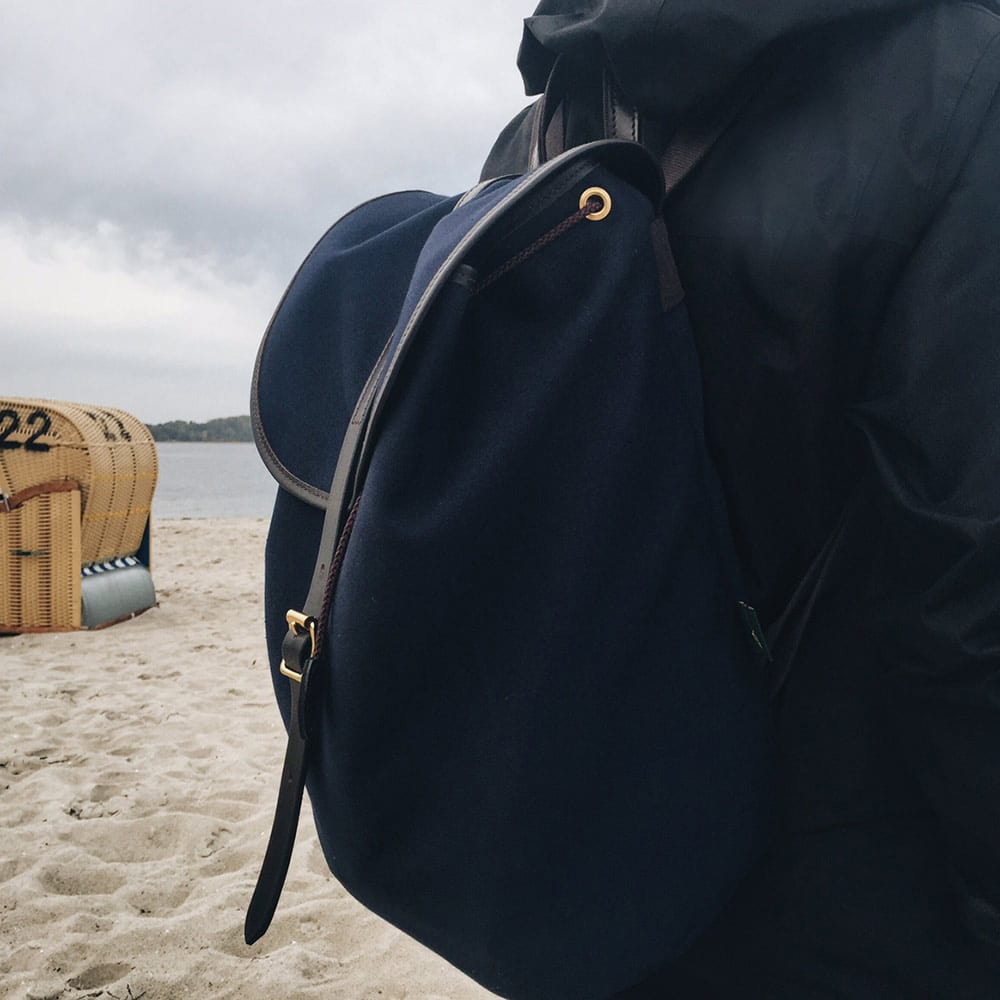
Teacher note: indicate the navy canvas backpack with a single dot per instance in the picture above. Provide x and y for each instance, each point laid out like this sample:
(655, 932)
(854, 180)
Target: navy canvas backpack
(503, 605)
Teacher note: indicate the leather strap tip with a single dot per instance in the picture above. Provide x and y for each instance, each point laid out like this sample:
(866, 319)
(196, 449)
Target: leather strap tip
(256, 925)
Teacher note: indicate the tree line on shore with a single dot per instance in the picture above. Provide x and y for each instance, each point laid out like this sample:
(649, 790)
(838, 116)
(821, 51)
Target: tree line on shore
(220, 429)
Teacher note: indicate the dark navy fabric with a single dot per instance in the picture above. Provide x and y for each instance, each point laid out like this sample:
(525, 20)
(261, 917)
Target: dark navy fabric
(334, 319)
(448, 233)
(541, 744)
(840, 252)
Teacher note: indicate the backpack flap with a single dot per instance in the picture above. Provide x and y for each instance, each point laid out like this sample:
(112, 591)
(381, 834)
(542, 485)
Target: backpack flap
(536, 742)
(326, 335)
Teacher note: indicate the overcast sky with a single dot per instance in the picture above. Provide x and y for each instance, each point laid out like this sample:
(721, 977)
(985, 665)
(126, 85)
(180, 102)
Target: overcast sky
(165, 165)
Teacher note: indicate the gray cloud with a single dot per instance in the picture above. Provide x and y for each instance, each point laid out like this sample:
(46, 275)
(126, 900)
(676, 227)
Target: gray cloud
(165, 167)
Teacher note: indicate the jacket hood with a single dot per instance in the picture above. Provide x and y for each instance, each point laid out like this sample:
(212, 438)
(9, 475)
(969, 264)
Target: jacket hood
(672, 57)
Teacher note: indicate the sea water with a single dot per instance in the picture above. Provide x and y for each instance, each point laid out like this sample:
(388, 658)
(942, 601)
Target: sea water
(211, 480)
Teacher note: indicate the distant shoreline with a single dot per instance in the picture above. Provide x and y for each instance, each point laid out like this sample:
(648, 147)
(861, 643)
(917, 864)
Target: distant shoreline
(220, 430)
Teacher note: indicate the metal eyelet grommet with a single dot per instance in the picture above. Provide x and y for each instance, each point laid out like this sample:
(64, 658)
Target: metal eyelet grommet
(596, 193)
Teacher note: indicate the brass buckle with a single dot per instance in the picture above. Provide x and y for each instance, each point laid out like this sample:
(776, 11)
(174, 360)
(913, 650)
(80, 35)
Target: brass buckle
(299, 624)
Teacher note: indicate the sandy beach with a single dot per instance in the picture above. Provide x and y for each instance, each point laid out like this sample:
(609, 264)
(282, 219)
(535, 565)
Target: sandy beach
(138, 766)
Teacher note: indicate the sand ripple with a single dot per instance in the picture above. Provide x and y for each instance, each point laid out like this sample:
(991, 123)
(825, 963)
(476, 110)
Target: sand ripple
(137, 769)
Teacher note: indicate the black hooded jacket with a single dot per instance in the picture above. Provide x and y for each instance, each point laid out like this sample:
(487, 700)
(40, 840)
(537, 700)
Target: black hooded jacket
(840, 251)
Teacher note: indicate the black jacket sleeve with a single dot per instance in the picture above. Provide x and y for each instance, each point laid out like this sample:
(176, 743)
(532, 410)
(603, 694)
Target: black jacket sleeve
(931, 418)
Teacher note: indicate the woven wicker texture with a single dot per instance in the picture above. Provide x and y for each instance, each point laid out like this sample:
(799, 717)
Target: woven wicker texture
(40, 564)
(108, 452)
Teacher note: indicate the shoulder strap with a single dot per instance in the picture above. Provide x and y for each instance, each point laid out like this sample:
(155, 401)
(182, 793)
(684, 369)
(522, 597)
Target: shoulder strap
(620, 119)
(688, 147)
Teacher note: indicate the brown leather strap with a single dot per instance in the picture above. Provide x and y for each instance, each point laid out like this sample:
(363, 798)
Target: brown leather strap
(682, 152)
(300, 651)
(11, 503)
(619, 117)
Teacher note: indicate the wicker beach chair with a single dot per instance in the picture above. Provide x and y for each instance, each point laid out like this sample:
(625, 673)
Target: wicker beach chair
(76, 490)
